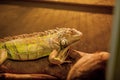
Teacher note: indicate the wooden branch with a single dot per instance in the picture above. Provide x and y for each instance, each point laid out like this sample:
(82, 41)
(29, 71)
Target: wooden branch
(27, 76)
(87, 64)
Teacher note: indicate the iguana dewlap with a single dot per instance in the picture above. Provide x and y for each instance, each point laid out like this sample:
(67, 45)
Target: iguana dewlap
(54, 43)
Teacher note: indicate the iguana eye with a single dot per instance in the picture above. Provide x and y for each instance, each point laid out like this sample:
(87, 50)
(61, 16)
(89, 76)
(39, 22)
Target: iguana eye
(73, 32)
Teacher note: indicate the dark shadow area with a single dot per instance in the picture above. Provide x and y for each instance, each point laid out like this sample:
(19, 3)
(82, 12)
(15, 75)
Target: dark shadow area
(62, 6)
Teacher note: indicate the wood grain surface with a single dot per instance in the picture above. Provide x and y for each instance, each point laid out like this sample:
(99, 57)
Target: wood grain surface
(93, 21)
(96, 2)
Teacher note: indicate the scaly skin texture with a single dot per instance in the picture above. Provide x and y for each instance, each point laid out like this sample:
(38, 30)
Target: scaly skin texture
(40, 45)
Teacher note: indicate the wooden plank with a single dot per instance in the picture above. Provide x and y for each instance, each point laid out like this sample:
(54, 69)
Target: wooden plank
(64, 6)
(90, 2)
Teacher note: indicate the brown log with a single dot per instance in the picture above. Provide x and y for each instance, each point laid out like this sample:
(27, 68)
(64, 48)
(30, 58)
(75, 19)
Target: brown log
(40, 66)
(82, 66)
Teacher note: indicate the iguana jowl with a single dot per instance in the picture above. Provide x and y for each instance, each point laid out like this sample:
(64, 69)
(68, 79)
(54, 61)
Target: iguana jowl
(54, 43)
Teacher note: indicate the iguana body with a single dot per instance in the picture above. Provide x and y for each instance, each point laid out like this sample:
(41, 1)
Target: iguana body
(53, 42)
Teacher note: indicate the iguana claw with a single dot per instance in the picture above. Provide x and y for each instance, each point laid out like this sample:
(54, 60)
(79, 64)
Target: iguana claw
(59, 57)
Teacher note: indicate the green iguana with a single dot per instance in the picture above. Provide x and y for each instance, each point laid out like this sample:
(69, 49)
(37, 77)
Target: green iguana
(53, 43)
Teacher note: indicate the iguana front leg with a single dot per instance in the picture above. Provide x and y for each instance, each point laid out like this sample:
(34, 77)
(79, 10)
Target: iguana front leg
(58, 58)
(3, 55)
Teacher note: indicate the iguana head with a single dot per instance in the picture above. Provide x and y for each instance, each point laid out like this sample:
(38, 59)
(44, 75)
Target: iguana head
(69, 35)
(66, 36)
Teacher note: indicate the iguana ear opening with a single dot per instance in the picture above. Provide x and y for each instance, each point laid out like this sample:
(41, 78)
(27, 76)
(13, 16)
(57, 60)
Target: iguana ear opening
(3, 55)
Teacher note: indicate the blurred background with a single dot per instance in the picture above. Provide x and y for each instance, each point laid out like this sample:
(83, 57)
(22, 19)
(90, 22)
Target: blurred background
(92, 18)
